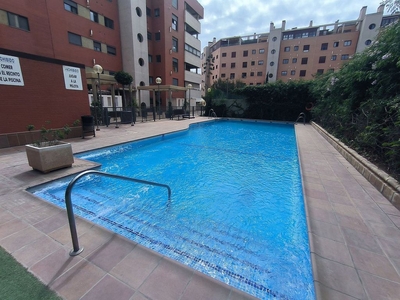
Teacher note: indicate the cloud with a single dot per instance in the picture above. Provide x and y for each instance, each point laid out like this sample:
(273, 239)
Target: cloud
(226, 18)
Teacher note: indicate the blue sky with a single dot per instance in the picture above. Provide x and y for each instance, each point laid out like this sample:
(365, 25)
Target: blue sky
(226, 18)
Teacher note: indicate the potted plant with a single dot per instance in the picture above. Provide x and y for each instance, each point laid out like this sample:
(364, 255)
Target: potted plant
(49, 153)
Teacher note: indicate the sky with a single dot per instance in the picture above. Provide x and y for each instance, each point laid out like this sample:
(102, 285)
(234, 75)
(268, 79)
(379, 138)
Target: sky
(227, 18)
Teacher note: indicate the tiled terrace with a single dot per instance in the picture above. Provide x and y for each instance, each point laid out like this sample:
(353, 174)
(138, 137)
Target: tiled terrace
(354, 231)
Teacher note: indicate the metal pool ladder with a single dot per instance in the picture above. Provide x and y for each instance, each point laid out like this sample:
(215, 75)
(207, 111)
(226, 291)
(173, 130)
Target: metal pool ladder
(68, 202)
(301, 116)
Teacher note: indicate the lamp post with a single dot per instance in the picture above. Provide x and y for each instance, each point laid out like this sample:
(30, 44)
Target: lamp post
(98, 70)
(189, 87)
(158, 81)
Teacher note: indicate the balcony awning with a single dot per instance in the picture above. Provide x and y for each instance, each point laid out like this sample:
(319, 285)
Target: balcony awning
(160, 87)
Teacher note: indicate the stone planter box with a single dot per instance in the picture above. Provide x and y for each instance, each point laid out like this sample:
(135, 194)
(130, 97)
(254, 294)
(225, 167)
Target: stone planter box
(49, 158)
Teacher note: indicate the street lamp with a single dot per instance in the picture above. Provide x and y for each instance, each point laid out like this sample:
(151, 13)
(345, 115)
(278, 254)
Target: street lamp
(158, 81)
(98, 70)
(189, 87)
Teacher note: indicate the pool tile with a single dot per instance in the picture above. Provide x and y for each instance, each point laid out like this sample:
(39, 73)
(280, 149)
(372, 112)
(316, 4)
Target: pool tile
(11, 227)
(379, 288)
(109, 288)
(78, 280)
(347, 210)
(21, 239)
(111, 253)
(374, 263)
(339, 277)
(331, 250)
(361, 240)
(354, 222)
(324, 292)
(52, 223)
(322, 215)
(326, 230)
(201, 287)
(92, 239)
(168, 281)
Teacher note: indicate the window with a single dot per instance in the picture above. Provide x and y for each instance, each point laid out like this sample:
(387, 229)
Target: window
(285, 61)
(251, 74)
(149, 37)
(157, 12)
(254, 51)
(368, 42)
(245, 53)
(175, 81)
(148, 11)
(140, 37)
(94, 16)
(287, 49)
(347, 43)
(284, 73)
(259, 74)
(174, 22)
(157, 36)
(224, 54)
(175, 64)
(273, 51)
(150, 58)
(261, 51)
(306, 48)
(345, 57)
(175, 3)
(335, 44)
(253, 63)
(158, 58)
(71, 6)
(324, 46)
(244, 75)
(97, 46)
(151, 80)
(74, 39)
(260, 62)
(174, 44)
(108, 23)
(138, 11)
(304, 60)
(293, 72)
(233, 65)
(274, 39)
(233, 54)
(294, 60)
(302, 73)
(141, 62)
(111, 50)
(372, 26)
(17, 21)
(223, 65)
(232, 76)
(333, 57)
(271, 63)
(320, 71)
(296, 48)
(223, 75)
(322, 59)
(244, 64)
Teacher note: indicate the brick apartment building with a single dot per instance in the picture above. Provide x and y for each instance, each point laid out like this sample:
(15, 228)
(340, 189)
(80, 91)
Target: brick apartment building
(48, 50)
(290, 54)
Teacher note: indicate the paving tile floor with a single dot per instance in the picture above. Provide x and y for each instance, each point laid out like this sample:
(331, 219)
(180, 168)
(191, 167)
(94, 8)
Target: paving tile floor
(354, 231)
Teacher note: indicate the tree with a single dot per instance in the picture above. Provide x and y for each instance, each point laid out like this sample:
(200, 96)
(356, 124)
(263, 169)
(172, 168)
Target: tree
(124, 79)
(393, 6)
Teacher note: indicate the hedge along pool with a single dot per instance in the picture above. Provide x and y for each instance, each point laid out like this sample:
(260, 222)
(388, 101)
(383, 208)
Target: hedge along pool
(236, 213)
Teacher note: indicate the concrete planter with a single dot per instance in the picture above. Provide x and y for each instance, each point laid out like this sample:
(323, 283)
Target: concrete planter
(50, 158)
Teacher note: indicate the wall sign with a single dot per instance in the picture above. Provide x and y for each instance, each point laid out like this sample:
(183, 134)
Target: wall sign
(10, 71)
(72, 78)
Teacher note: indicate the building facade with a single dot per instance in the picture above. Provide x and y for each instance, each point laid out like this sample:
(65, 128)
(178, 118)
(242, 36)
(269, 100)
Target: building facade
(290, 54)
(49, 42)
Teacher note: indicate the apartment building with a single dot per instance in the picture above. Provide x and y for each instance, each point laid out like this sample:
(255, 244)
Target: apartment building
(290, 54)
(48, 50)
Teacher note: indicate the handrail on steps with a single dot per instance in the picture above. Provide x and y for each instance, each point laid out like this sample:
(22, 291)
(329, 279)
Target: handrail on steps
(70, 212)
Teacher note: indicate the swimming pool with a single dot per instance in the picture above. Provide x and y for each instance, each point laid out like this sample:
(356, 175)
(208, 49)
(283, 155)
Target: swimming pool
(236, 213)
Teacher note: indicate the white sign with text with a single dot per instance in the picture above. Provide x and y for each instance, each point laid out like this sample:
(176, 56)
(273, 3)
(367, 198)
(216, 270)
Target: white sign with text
(72, 78)
(10, 71)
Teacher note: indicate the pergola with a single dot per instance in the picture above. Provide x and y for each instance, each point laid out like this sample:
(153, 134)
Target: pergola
(161, 88)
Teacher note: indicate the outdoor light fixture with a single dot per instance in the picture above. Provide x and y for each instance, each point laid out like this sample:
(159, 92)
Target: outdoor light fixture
(189, 86)
(98, 70)
(158, 81)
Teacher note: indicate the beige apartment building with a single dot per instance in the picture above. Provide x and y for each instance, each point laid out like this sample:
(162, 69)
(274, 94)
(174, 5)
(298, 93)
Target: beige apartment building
(290, 54)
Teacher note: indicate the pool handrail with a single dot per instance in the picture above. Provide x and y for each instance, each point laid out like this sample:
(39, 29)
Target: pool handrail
(70, 212)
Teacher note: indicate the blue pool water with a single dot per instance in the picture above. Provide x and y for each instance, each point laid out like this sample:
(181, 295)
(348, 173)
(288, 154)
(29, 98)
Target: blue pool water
(236, 212)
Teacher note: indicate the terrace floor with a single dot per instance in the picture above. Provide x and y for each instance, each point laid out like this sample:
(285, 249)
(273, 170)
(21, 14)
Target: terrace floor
(354, 231)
